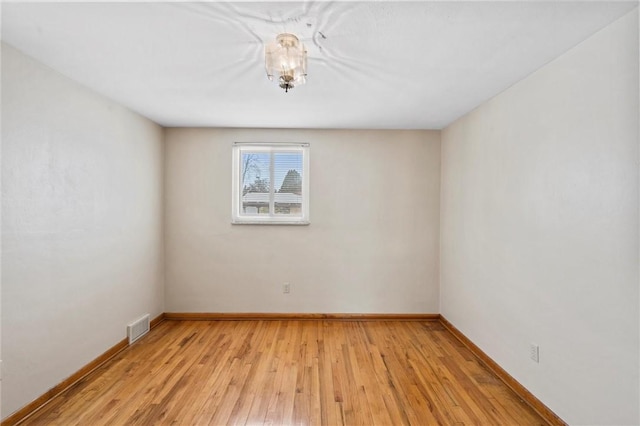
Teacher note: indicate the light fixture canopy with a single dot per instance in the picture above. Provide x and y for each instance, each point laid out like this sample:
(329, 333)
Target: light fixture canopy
(286, 61)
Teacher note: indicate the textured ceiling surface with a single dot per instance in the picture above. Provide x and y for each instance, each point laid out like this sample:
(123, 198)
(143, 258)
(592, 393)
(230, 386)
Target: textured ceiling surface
(396, 65)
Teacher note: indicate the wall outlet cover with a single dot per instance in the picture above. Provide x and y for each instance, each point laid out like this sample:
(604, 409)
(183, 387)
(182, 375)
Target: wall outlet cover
(534, 352)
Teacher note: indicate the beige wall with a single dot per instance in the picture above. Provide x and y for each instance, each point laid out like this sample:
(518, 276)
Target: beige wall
(81, 229)
(372, 246)
(540, 229)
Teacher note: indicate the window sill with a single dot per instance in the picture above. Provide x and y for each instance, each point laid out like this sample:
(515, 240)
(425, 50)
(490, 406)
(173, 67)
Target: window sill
(261, 222)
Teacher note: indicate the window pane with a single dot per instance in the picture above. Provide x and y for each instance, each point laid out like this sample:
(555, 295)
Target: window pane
(255, 183)
(287, 175)
(270, 183)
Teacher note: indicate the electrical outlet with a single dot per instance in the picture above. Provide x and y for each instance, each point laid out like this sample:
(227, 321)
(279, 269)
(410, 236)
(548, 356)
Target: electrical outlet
(534, 352)
(286, 288)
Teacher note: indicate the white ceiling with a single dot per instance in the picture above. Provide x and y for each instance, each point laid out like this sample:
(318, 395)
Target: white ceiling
(374, 65)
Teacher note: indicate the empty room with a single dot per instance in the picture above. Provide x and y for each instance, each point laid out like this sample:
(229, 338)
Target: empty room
(320, 213)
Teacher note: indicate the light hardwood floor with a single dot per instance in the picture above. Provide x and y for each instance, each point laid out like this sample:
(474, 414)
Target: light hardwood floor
(291, 372)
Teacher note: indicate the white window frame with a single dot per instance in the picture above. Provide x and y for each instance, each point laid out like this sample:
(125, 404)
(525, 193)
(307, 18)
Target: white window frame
(241, 218)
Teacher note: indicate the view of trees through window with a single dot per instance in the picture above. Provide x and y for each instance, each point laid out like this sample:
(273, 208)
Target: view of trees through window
(279, 173)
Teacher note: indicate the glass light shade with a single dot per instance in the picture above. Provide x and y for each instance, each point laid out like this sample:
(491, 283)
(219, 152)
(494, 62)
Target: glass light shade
(286, 61)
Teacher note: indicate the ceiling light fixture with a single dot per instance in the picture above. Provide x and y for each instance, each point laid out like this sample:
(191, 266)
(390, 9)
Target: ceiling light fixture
(286, 60)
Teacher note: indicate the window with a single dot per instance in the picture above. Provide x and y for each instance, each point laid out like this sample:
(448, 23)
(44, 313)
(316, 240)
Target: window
(270, 183)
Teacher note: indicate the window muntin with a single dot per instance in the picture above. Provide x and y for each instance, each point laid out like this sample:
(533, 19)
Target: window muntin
(270, 183)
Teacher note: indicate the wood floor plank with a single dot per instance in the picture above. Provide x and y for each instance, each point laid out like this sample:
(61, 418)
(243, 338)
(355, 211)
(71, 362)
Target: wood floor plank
(321, 372)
